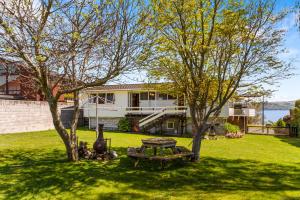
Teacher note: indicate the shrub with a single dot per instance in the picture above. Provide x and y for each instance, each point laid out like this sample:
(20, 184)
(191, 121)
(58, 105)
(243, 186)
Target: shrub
(295, 115)
(280, 123)
(297, 103)
(124, 125)
(230, 128)
(232, 131)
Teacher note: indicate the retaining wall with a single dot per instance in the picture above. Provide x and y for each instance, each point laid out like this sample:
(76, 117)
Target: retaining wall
(25, 116)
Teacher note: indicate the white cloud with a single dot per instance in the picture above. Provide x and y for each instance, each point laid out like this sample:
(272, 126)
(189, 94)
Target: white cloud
(289, 21)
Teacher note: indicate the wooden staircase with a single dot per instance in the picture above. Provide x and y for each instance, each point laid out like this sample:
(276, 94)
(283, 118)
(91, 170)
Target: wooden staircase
(160, 114)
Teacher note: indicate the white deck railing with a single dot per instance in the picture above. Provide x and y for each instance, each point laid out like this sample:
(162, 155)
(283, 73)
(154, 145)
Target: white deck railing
(153, 109)
(248, 112)
(161, 112)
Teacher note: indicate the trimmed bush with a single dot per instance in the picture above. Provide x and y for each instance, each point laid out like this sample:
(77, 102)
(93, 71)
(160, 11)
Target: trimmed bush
(230, 128)
(232, 131)
(124, 125)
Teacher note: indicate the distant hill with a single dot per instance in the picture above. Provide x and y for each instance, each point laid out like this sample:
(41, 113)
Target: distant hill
(279, 105)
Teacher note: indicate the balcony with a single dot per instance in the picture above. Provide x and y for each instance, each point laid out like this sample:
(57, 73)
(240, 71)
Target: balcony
(151, 110)
(10, 92)
(247, 112)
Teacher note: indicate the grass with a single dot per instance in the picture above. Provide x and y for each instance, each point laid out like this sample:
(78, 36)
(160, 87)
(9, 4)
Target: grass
(33, 166)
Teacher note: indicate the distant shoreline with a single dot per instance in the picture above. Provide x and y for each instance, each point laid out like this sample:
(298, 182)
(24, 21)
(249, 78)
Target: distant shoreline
(278, 108)
(282, 105)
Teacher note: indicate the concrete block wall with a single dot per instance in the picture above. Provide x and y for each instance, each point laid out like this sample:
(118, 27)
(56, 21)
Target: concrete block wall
(25, 116)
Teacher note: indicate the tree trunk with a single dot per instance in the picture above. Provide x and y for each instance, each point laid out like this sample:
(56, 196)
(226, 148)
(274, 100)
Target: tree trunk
(73, 136)
(197, 144)
(197, 141)
(76, 113)
(70, 140)
(72, 148)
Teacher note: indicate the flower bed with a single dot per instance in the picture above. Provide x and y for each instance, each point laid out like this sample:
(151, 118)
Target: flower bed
(234, 135)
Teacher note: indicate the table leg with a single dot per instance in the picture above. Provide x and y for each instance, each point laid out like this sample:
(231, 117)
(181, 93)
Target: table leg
(142, 149)
(155, 150)
(174, 150)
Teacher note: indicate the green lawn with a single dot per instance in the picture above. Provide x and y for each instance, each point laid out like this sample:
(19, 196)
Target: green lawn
(33, 166)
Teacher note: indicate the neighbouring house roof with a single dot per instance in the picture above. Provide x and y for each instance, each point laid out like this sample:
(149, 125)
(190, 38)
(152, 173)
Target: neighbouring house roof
(10, 83)
(138, 86)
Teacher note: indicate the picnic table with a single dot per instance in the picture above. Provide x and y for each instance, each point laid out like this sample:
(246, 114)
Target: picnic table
(155, 143)
(178, 152)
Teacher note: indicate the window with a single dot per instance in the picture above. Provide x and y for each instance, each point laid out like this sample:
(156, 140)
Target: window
(170, 125)
(171, 97)
(151, 95)
(110, 98)
(92, 98)
(144, 96)
(101, 98)
(162, 96)
(2, 70)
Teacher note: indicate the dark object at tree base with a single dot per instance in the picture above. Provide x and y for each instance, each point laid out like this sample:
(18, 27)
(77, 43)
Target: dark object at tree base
(100, 145)
(83, 151)
(99, 151)
(90, 154)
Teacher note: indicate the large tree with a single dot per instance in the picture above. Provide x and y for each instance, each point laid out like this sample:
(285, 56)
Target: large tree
(70, 45)
(211, 50)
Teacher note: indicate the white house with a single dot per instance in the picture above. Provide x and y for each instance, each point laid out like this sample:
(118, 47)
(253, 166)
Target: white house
(146, 108)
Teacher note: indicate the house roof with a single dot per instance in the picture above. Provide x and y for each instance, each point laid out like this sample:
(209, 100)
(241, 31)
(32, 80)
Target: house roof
(138, 86)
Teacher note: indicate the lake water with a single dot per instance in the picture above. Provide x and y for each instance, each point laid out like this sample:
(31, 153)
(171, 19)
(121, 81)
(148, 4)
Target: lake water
(274, 115)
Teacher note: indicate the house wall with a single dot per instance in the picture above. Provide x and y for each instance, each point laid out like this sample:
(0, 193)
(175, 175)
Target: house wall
(110, 123)
(118, 109)
(224, 111)
(25, 116)
(110, 114)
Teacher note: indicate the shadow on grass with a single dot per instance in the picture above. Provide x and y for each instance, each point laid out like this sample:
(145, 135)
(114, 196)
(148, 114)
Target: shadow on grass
(295, 141)
(27, 174)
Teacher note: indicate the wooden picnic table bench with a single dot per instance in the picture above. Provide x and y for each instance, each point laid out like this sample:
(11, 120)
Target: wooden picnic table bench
(138, 154)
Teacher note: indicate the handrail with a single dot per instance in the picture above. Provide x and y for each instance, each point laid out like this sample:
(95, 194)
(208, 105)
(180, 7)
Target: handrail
(139, 108)
(154, 108)
(156, 115)
(151, 119)
(149, 116)
(161, 110)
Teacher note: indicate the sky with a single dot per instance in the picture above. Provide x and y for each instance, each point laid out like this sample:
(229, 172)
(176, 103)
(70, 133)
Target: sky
(289, 89)
(285, 90)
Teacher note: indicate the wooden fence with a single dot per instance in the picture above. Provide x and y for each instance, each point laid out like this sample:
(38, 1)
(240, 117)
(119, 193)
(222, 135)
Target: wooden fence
(272, 130)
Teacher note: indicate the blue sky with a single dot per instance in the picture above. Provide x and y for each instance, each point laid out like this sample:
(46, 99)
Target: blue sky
(289, 89)
(285, 90)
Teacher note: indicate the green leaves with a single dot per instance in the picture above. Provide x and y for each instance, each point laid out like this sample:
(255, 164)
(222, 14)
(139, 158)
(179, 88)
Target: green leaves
(75, 35)
(213, 50)
(41, 58)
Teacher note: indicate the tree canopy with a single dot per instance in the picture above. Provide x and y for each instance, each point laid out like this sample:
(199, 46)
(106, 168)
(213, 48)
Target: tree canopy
(72, 45)
(213, 49)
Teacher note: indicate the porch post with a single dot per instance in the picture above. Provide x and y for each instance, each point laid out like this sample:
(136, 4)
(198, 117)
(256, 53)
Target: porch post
(129, 99)
(6, 81)
(148, 98)
(97, 120)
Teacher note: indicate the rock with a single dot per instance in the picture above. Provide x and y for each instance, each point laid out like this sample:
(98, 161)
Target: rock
(83, 151)
(113, 154)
